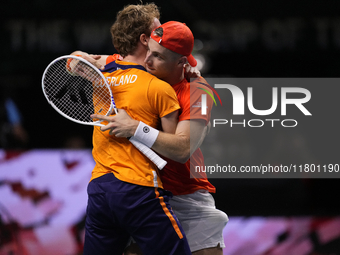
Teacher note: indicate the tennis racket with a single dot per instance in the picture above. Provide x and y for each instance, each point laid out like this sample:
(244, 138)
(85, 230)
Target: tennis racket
(76, 89)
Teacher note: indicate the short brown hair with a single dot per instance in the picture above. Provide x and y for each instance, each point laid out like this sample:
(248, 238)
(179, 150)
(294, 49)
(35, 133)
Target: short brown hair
(130, 23)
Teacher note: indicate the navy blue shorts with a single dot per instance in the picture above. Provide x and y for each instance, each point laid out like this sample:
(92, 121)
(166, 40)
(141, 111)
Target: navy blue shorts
(117, 210)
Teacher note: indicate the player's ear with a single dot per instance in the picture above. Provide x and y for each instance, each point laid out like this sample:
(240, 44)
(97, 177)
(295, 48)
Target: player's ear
(144, 39)
(183, 60)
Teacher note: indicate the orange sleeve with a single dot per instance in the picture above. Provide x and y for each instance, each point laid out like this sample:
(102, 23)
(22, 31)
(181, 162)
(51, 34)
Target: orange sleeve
(162, 97)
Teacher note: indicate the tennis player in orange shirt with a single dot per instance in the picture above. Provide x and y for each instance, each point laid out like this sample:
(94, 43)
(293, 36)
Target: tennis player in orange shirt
(125, 195)
(169, 51)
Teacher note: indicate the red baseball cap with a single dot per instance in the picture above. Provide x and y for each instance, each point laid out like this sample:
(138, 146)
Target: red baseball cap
(178, 38)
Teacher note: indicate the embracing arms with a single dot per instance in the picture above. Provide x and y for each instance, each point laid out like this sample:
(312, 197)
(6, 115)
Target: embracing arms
(178, 146)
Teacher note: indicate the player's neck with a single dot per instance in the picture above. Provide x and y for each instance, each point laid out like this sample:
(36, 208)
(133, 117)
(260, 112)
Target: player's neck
(134, 59)
(175, 78)
(138, 56)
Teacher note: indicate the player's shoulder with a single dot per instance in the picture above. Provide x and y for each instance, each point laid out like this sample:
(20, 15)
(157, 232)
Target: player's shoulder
(194, 87)
(199, 83)
(157, 82)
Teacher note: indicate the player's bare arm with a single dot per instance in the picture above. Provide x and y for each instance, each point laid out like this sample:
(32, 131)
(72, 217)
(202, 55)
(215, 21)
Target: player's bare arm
(122, 125)
(176, 143)
(179, 146)
(97, 60)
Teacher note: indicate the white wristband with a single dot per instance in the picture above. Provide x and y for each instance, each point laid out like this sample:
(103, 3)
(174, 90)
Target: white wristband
(146, 134)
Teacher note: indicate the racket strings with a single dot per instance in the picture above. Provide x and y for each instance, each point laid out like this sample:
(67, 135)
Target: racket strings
(77, 93)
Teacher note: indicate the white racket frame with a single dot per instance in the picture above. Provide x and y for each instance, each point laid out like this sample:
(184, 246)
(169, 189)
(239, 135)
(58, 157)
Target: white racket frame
(156, 159)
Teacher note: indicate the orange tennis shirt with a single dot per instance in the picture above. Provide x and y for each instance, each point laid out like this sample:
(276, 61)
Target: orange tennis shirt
(145, 98)
(176, 177)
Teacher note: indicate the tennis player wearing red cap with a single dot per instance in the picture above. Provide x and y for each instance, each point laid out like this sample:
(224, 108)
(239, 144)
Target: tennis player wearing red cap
(170, 49)
(125, 195)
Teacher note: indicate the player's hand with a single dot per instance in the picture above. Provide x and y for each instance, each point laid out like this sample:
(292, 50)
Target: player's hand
(120, 125)
(191, 72)
(93, 59)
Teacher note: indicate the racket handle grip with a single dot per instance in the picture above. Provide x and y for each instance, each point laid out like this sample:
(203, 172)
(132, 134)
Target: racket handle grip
(157, 160)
